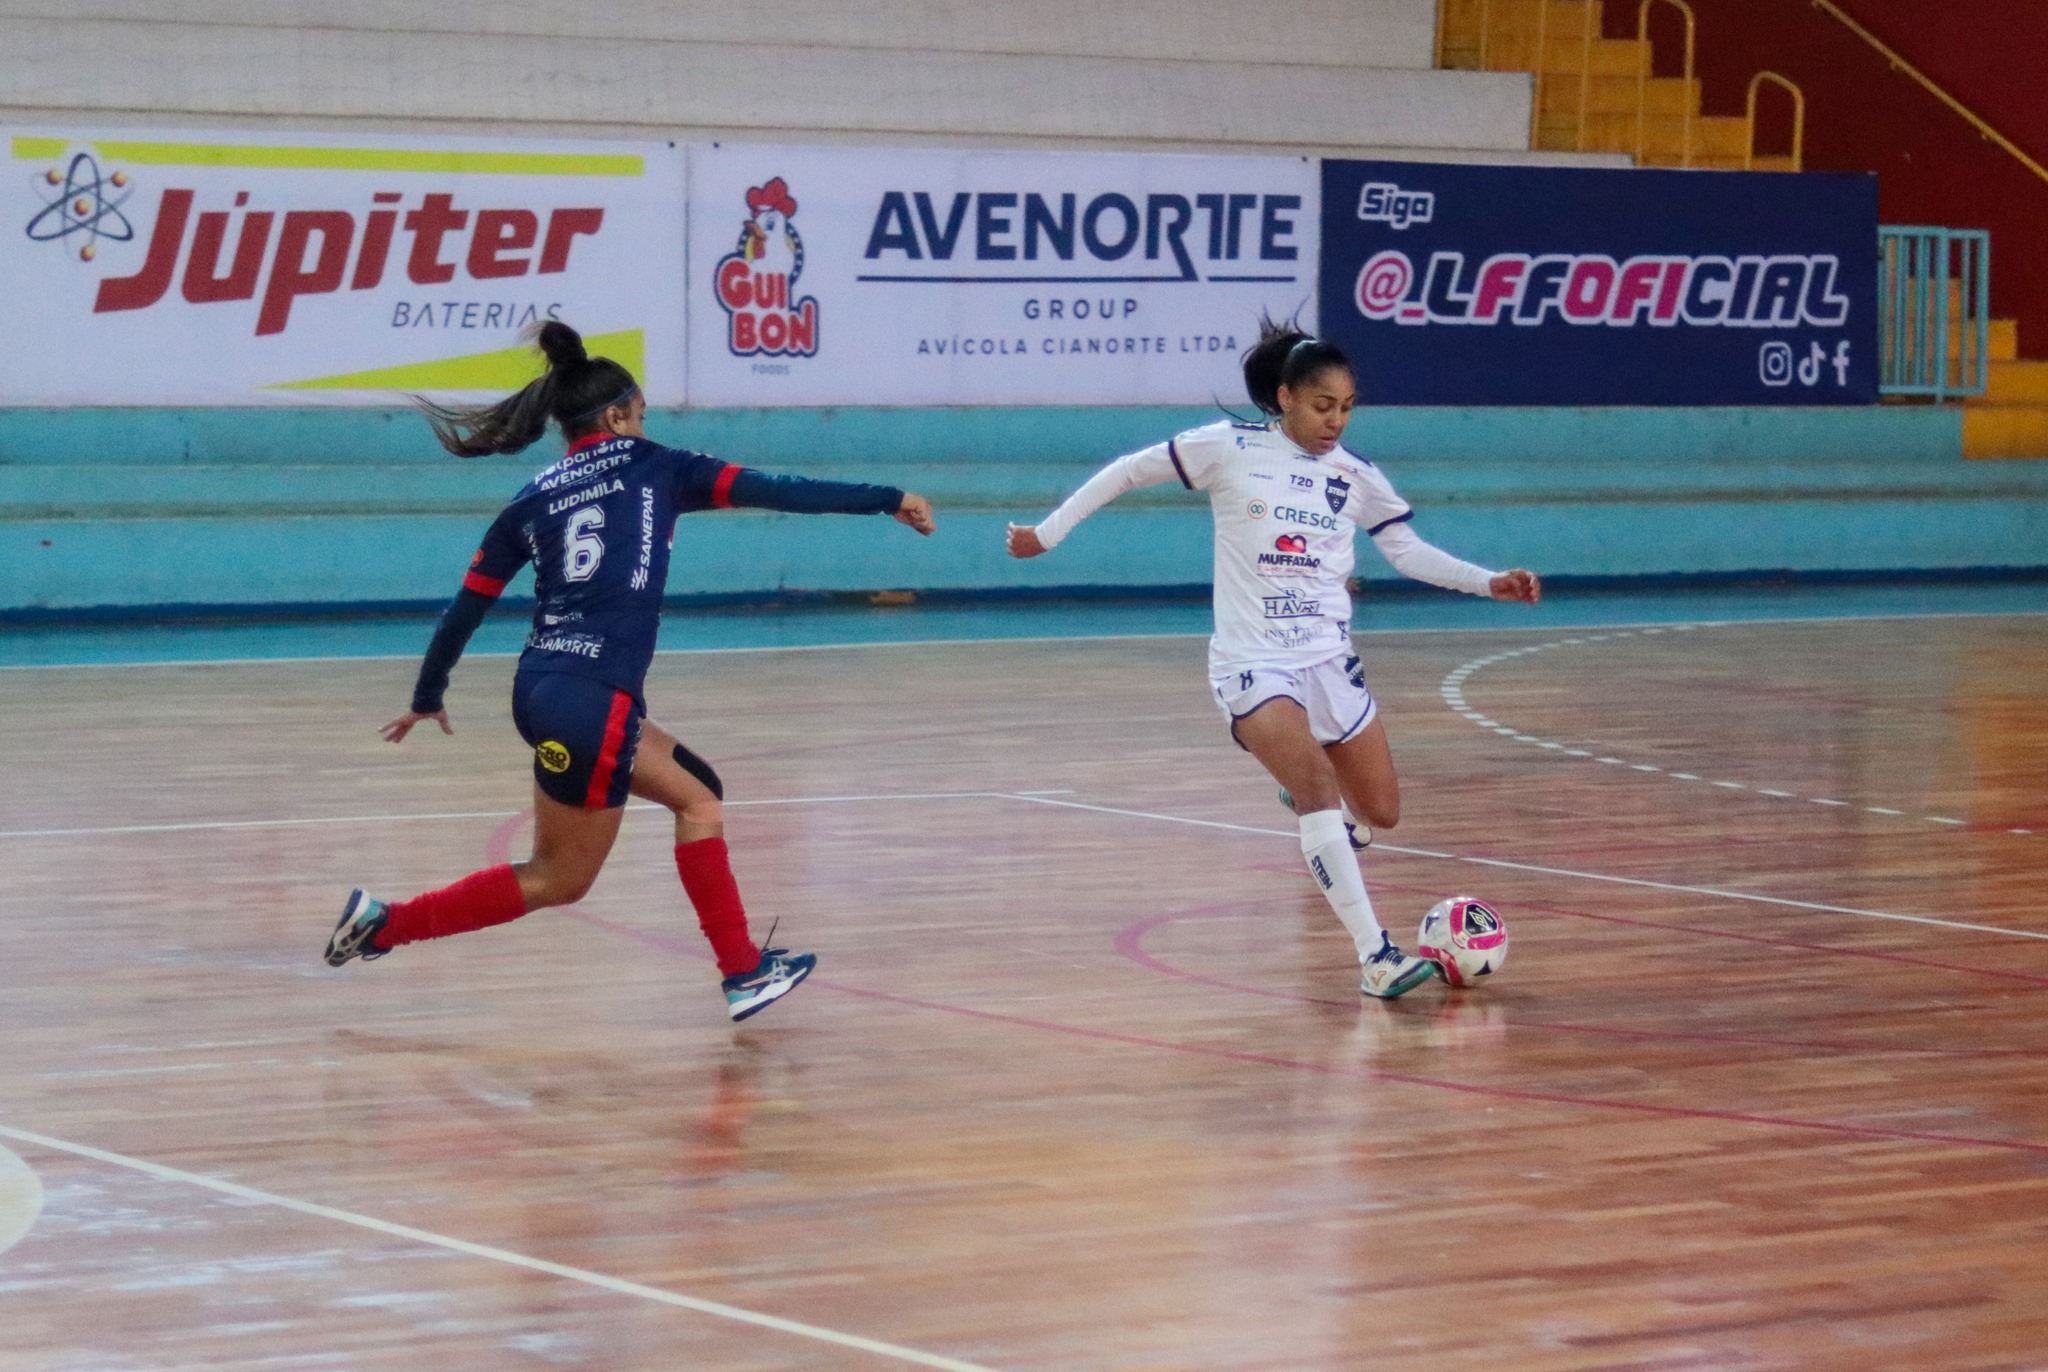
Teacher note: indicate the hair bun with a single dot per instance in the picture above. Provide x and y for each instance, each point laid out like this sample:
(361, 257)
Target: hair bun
(562, 345)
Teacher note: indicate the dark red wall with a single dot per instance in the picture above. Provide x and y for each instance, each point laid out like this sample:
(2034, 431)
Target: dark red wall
(1932, 166)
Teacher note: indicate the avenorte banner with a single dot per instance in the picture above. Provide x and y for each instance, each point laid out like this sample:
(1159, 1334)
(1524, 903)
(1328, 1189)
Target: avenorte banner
(1464, 285)
(234, 268)
(872, 276)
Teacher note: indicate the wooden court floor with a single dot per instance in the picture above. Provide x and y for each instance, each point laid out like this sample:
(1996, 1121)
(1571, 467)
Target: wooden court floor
(1083, 1081)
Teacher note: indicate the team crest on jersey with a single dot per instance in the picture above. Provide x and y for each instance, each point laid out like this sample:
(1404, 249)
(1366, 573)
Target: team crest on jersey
(1336, 490)
(756, 282)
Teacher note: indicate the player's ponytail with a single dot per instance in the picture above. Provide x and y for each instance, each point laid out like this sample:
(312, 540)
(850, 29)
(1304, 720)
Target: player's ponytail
(1285, 356)
(574, 390)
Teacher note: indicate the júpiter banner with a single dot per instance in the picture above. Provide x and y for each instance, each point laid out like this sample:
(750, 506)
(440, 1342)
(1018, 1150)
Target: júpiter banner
(1465, 285)
(867, 276)
(233, 268)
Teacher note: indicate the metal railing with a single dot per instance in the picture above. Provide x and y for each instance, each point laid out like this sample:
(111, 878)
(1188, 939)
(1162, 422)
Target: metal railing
(1483, 52)
(1643, 78)
(1798, 120)
(1934, 311)
(1900, 64)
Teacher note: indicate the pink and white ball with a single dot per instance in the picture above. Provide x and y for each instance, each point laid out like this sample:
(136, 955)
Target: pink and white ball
(1465, 937)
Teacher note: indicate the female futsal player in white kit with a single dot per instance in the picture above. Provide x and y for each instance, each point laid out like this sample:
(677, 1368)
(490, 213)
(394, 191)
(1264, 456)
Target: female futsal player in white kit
(1287, 499)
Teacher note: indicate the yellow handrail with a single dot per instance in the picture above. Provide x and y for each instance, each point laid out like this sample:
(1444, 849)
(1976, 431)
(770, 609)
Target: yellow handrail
(1901, 64)
(1542, 52)
(1586, 13)
(1798, 119)
(1643, 78)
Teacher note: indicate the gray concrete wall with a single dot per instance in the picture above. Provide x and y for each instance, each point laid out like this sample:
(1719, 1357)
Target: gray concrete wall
(1311, 75)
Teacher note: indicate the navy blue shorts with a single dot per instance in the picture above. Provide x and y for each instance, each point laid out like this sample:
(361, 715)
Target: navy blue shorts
(583, 733)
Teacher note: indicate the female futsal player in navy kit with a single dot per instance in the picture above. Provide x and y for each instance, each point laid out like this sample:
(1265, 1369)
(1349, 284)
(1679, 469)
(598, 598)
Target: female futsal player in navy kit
(597, 527)
(1288, 499)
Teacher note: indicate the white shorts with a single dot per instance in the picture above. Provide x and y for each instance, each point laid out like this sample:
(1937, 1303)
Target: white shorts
(1333, 692)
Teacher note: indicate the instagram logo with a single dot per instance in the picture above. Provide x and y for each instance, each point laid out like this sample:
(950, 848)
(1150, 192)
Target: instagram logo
(1774, 363)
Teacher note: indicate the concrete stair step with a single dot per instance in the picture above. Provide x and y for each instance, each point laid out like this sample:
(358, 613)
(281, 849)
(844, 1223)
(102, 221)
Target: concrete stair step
(1617, 94)
(108, 491)
(2018, 383)
(1664, 136)
(2002, 343)
(1604, 57)
(2005, 431)
(1225, 95)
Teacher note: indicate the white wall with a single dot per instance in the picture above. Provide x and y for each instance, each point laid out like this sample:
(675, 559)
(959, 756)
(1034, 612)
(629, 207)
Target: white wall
(1311, 76)
(1358, 33)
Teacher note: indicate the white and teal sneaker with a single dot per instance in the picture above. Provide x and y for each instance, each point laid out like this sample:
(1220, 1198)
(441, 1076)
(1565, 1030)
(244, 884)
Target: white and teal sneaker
(1391, 972)
(779, 971)
(1359, 834)
(361, 920)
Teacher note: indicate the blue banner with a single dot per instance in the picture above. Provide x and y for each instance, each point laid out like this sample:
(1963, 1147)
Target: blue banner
(1462, 285)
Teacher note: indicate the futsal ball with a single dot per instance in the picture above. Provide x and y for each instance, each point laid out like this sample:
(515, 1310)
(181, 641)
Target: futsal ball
(1466, 938)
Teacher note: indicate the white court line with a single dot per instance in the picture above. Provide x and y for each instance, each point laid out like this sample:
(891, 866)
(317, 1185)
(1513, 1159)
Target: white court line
(1047, 798)
(488, 814)
(659, 652)
(1452, 691)
(1648, 626)
(478, 1250)
(21, 1199)
(1712, 891)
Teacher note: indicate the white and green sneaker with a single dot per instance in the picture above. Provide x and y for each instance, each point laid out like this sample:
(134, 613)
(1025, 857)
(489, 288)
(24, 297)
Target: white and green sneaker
(362, 919)
(1391, 972)
(776, 976)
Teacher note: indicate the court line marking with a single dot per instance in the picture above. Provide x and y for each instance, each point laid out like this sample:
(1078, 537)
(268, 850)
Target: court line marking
(198, 826)
(21, 1199)
(1452, 690)
(1537, 868)
(1130, 942)
(478, 1250)
(1362, 1073)
(1040, 638)
(1051, 798)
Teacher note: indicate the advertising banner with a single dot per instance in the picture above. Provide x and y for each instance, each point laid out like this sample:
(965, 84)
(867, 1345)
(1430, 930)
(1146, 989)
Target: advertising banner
(867, 276)
(1466, 285)
(242, 268)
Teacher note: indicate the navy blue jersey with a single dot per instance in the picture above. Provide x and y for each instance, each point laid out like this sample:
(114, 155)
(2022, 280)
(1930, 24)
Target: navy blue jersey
(597, 527)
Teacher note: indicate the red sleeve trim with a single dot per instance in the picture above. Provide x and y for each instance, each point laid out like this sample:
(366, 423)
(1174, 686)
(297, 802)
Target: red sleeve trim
(721, 489)
(484, 585)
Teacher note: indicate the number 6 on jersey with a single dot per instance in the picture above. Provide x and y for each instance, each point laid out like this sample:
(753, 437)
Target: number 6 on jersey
(582, 548)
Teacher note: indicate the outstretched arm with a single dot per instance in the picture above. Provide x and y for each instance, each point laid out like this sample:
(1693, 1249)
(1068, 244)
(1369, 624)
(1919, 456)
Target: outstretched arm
(1147, 467)
(500, 557)
(743, 486)
(1409, 555)
(451, 636)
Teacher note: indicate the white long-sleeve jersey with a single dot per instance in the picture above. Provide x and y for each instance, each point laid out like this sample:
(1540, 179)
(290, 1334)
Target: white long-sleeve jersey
(1285, 520)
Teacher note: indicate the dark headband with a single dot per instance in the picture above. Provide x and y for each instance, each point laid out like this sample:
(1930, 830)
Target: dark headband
(594, 411)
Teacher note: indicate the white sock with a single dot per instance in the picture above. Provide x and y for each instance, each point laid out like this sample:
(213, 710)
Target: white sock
(1327, 850)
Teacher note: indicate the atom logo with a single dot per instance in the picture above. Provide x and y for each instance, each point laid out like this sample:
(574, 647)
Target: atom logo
(1383, 284)
(83, 204)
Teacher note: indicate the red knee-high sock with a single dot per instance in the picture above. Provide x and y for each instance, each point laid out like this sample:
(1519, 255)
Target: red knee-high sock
(706, 870)
(478, 901)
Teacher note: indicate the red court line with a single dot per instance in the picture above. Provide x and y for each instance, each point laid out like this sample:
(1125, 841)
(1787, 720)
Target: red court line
(498, 848)
(1130, 943)
(1354, 1073)
(1432, 894)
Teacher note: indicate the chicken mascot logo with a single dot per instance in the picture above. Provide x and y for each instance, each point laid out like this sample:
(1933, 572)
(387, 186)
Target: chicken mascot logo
(757, 281)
